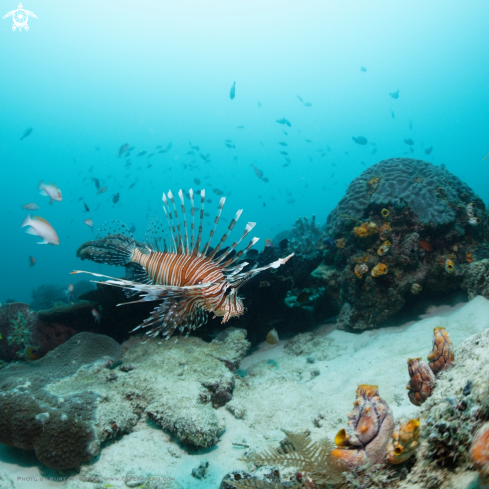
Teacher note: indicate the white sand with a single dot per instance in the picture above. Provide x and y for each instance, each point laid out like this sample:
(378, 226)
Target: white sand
(286, 393)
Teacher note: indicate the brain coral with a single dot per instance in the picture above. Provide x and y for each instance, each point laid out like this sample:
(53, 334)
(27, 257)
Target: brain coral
(430, 191)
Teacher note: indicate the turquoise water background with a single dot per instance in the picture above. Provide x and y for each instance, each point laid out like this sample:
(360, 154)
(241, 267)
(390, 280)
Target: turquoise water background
(90, 76)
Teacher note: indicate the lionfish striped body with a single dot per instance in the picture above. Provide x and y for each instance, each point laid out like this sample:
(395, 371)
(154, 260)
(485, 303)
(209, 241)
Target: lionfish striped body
(188, 282)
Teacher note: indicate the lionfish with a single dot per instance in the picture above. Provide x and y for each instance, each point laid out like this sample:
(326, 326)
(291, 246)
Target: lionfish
(189, 283)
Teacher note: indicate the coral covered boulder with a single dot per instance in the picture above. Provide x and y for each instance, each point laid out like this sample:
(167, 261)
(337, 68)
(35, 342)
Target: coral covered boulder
(60, 429)
(404, 231)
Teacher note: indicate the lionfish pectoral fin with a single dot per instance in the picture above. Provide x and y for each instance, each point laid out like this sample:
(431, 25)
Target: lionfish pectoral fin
(180, 312)
(136, 273)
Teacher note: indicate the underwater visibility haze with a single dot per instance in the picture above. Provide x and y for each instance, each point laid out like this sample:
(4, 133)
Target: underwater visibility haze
(351, 137)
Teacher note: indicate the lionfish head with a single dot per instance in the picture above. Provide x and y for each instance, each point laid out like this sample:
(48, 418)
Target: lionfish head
(231, 306)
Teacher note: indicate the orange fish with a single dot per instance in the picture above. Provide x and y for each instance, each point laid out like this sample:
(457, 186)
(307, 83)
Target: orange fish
(96, 315)
(69, 294)
(40, 227)
(50, 190)
(32, 261)
(425, 245)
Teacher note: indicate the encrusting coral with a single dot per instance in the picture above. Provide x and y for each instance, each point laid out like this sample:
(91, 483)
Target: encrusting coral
(479, 455)
(369, 430)
(422, 381)
(441, 357)
(404, 442)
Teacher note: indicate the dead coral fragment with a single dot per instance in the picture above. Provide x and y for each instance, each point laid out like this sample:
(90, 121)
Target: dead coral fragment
(379, 270)
(441, 357)
(422, 381)
(369, 430)
(366, 229)
(479, 455)
(361, 269)
(404, 442)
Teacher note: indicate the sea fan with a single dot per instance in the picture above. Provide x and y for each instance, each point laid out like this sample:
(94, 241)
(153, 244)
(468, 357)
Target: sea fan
(312, 459)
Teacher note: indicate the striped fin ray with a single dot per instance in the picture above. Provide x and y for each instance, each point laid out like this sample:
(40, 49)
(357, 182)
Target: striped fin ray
(195, 251)
(136, 273)
(184, 217)
(172, 314)
(239, 279)
(180, 240)
(247, 230)
(225, 236)
(216, 221)
(191, 194)
(169, 218)
(239, 254)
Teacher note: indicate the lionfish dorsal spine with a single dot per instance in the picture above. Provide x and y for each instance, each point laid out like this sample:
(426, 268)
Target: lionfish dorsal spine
(216, 221)
(184, 217)
(177, 220)
(192, 211)
(169, 219)
(238, 255)
(195, 251)
(225, 236)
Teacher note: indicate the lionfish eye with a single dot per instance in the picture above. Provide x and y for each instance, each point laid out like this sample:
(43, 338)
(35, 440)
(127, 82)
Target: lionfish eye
(227, 291)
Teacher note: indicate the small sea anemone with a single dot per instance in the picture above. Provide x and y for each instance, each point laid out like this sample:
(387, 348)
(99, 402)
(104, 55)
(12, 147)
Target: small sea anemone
(416, 289)
(366, 229)
(378, 270)
(449, 265)
(384, 248)
(361, 269)
(385, 213)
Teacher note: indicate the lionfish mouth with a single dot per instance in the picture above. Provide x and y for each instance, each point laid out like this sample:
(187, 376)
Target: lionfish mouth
(188, 281)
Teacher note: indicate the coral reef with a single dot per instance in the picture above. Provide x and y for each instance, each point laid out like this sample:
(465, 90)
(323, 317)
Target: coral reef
(404, 442)
(408, 222)
(422, 381)
(441, 357)
(79, 395)
(369, 431)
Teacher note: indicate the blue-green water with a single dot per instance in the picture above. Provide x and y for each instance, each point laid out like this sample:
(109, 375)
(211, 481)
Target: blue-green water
(90, 76)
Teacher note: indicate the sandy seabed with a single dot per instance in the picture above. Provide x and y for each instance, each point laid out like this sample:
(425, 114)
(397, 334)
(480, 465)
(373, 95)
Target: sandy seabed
(310, 384)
